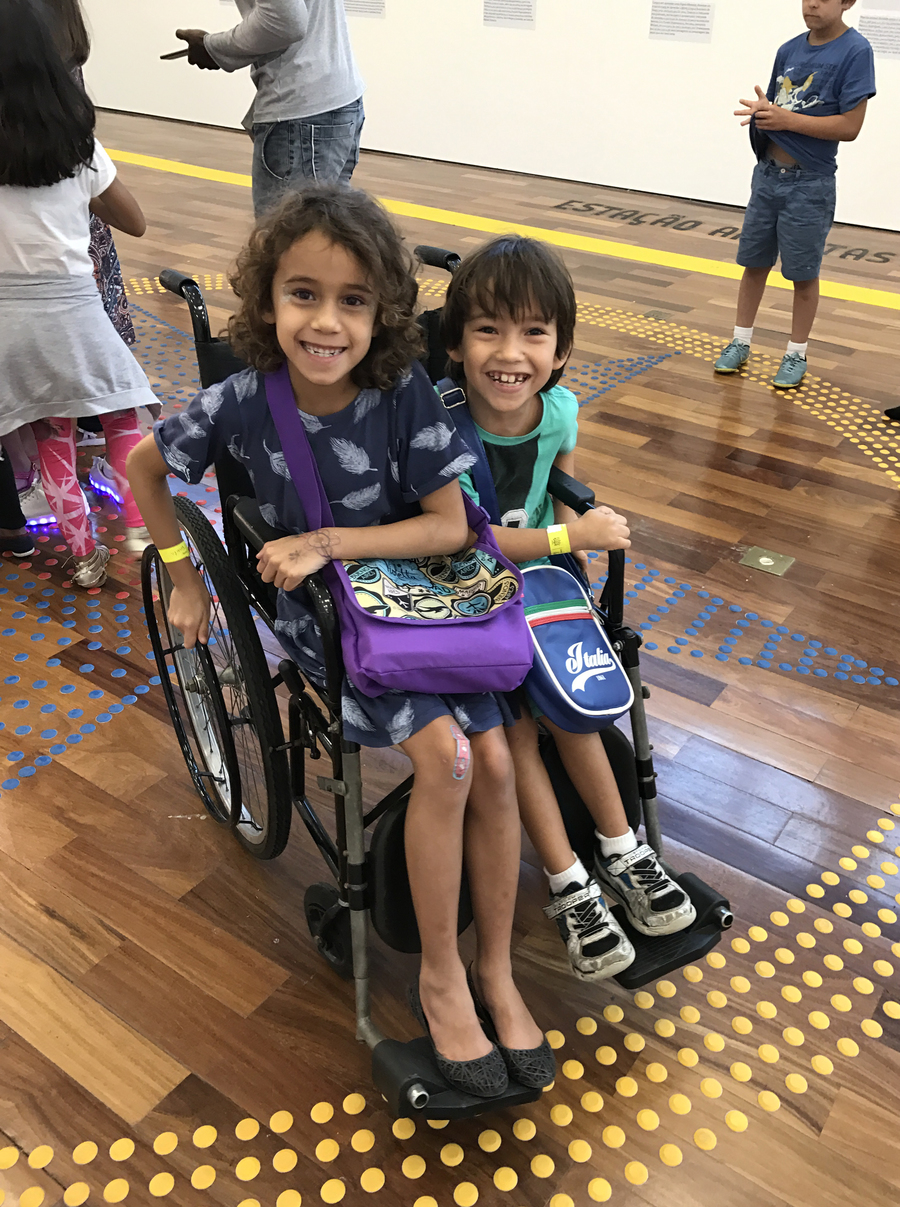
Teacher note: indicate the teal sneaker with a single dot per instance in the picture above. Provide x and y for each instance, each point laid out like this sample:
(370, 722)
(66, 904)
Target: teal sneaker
(733, 358)
(791, 373)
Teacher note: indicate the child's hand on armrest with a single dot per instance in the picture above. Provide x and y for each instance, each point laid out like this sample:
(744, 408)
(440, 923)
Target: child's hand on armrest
(601, 528)
(287, 562)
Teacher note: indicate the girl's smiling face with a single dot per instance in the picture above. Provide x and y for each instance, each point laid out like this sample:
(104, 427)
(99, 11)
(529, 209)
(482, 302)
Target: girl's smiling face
(324, 310)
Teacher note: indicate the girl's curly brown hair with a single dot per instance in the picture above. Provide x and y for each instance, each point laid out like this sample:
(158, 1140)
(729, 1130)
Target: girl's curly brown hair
(352, 220)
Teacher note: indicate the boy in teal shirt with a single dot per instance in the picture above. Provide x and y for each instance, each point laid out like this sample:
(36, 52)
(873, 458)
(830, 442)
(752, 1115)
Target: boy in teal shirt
(509, 326)
(816, 99)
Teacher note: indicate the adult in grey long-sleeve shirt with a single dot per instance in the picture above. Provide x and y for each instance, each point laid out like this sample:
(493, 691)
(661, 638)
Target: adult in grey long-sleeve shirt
(307, 116)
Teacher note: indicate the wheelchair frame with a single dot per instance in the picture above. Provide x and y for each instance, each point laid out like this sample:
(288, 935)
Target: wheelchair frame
(339, 917)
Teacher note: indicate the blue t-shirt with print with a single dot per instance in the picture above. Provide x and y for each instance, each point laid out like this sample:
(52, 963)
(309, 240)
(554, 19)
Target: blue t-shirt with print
(819, 81)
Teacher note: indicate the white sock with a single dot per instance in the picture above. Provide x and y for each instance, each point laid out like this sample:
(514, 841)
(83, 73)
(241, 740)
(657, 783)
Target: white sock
(617, 846)
(577, 873)
(800, 349)
(743, 335)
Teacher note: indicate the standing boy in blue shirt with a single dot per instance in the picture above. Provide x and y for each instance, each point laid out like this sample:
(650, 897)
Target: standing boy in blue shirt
(817, 98)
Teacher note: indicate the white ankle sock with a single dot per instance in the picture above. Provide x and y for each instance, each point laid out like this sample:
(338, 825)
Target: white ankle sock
(617, 846)
(800, 349)
(560, 880)
(743, 335)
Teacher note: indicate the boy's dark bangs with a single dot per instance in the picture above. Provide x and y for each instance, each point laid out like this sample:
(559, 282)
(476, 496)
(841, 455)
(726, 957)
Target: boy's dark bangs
(514, 284)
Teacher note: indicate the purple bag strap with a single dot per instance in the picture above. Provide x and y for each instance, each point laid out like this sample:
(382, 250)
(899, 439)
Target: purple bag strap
(298, 454)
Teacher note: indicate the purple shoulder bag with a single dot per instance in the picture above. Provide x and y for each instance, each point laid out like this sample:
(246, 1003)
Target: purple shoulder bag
(446, 625)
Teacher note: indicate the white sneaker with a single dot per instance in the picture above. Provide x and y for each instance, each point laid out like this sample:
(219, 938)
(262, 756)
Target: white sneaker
(103, 480)
(598, 947)
(654, 902)
(92, 571)
(34, 504)
(86, 438)
(137, 540)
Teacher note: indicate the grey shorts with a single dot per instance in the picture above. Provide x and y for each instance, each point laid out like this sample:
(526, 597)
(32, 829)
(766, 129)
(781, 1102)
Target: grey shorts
(790, 213)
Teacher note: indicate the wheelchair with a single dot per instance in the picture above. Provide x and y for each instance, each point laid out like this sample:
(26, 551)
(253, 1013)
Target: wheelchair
(251, 777)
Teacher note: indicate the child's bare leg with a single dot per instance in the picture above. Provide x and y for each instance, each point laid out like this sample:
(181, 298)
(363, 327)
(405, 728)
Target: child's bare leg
(750, 295)
(537, 801)
(434, 853)
(493, 848)
(806, 304)
(585, 761)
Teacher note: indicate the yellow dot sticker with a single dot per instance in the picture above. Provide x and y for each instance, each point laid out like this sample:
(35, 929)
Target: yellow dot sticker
(812, 979)
(354, 1104)
(891, 1009)
(403, 1129)
(766, 1009)
(805, 939)
(115, 1191)
(372, 1180)
(505, 1178)
(765, 969)
(281, 1121)
(452, 1154)
(768, 1053)
(592, 1102)
(648, 1120)
(634, 1042)
(833, 962)
(247, 1129)
(204, 1176)
(740, 984)
(740, 1071)
(332, 1191)
(584, 1026)
(768, 1101)
(438, 1125)
(613, 1014)
(205, 1136)
(825, 925)
(556, 1039)
(248, 1167)
(848, 1047)
(741, 946)
(822, 1065)
(32, 1197)
(842, 910)
(795, 906)
(664, 1027)
(853, 946)
(580, 1151)
(842, 1003)
(165, 1143)
(705, 1139)
(715, 959)
(863, 985)
(671, 1155)
(562, 1200)
(741, 1025)
(78, 1193)
(636, 1173)
(573, 1069)
(599, 1190)
(757, 934)
(779, 919)
(717, 999)
(688, 1057)
(796, 1083)
(523, 1129)
(689, 1014)
(643, 1000)
(121, 1150)
(793, 1036)
(737, 1121)
(613, 1137)
(883, 968)
(413, 1166)
(161, 1184)
(680, 1104)
(606, 1055)
(322, 1112)
(465, 1194)
(286, 1159)
(873, 1029)
(692, 974)
(666, 989)
(561, 1115)
(784, 956)
(489, 1140)
(542, 1166)
(713, 1042)
(711, 1088)
(815, 890)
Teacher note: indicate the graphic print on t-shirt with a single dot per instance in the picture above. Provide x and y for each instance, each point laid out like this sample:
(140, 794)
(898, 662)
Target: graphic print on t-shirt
(512, 468)
(793, 96)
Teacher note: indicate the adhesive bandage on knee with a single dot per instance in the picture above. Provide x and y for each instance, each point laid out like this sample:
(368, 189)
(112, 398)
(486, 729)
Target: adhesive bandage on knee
(463, 752)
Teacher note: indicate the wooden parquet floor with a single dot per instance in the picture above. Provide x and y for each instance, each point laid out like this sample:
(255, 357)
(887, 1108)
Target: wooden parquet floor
(167, 1031)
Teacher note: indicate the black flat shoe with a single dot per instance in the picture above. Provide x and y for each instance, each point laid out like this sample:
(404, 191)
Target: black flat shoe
(485, 1077)
(531, 1067)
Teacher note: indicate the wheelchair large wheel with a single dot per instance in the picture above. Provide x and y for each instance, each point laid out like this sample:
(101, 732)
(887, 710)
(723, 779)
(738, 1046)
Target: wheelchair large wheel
(233, 753)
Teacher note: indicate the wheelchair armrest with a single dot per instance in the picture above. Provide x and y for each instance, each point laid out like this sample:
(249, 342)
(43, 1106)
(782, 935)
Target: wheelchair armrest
(252, 527)
(570, 491)
(187, 288)
(439, 257)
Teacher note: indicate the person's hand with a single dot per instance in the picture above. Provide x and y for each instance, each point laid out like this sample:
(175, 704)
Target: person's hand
(198, 55)
(582, 558)
(288, 561)
(188, 610)
(757, 108)
(601, 528)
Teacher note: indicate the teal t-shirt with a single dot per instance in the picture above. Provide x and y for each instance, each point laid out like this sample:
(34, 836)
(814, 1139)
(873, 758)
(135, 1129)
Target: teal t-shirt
(521, 465)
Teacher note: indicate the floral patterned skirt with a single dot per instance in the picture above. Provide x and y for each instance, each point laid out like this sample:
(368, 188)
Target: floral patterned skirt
(108, 275)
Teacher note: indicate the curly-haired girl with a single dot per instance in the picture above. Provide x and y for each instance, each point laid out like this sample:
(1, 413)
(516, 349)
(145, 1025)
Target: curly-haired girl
(327, 287)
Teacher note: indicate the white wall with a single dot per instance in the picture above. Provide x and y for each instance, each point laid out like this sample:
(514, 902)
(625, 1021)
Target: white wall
(586, 96)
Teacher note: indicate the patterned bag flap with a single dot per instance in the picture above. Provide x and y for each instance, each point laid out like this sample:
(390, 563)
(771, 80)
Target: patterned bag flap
(467, 585)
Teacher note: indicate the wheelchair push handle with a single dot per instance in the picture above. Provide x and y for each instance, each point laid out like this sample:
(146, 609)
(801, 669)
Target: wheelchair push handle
(186, 287)
(581, 498)
(439, 257)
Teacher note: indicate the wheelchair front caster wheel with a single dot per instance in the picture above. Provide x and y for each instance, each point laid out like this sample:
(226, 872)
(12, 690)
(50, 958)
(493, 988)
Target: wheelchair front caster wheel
(328, 919)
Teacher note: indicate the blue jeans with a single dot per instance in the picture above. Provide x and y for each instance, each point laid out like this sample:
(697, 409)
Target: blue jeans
(288, 154)
(790, 211)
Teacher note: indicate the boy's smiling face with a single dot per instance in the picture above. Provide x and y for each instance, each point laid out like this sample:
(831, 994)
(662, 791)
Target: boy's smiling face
(507, 360)
(324, 311)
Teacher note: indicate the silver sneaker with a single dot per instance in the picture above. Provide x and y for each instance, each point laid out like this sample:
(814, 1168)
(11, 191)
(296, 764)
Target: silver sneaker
(92, 571)
(598, 947)
(655, 904)
(137, 540)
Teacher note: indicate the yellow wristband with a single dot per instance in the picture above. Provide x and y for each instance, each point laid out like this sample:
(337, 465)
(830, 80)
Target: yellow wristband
(175, 553)
(558, 535)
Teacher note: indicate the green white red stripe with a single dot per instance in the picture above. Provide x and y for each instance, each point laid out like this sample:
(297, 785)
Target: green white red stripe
(565, 609)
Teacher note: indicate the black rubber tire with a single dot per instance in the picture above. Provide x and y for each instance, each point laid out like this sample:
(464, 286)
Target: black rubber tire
(334, 942)
(246, 684)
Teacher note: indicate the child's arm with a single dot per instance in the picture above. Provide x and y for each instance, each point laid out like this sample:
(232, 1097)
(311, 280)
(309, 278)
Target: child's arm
(189, 604)
(441, 528)
(841, 127)
(117, 207)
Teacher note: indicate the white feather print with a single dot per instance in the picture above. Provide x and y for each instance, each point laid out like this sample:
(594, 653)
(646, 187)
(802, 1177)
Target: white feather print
(462, 718)
(178, 460)
(395, 468)
(192, 428)
(367, 401)
(355, 715)
(236, 448)
(293, 627)
(434, 438)
(404, 379)
(277, 462)
(458, 465)
(212, 399)
(312, 423)
(245, 384)
(358, 500)
(401, 723)
(352, 457)
(270, 515)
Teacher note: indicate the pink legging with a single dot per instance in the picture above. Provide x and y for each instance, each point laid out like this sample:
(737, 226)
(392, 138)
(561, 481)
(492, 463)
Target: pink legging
(60, 482)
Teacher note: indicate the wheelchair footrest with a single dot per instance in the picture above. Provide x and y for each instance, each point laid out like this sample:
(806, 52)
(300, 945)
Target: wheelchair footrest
(408, 1077)
(655, 957)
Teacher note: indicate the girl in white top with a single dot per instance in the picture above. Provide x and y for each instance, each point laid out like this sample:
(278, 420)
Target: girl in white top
(60, 357)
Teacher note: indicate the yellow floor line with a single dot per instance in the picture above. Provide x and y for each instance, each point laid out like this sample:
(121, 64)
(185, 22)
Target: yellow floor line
(601, 247)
